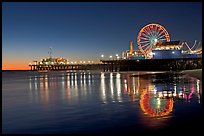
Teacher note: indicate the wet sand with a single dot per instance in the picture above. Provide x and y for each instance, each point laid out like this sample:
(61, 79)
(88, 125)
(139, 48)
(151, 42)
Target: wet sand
(197, 73)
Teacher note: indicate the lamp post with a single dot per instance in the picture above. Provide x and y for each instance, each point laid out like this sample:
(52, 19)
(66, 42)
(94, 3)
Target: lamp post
(102, 56)
(117, 57)
(111, 57)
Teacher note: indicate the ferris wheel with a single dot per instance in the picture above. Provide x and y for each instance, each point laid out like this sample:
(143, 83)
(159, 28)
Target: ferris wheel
(149, 36)
(154, 106)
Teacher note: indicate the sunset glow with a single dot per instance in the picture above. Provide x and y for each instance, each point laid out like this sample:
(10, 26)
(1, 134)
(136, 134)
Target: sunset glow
(83, 31)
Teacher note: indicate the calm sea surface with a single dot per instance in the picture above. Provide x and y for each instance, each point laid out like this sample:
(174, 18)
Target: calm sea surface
(81, 102)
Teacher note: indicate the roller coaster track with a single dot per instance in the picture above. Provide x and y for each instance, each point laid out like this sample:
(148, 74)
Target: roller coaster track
(196, 48)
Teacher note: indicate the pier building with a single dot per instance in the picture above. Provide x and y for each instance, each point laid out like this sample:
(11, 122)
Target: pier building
(53, 61)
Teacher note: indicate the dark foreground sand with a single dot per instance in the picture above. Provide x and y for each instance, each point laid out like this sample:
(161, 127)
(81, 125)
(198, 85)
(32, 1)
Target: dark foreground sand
(197, 73)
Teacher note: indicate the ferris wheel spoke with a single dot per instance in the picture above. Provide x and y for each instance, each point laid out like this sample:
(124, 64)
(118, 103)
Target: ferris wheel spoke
(161, 37)
(147, 48)
(151, 32)
(144, 41)
(155, 29)
(145, 45)
(143, 38)
(151, 47)
(145, 35)
(160, 33)
(147, 32)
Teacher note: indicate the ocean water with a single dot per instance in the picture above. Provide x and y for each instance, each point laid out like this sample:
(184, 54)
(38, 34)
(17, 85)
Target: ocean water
(94, 102)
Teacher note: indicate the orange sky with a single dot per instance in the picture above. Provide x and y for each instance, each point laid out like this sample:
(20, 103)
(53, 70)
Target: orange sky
(15, 66)
(22, 64)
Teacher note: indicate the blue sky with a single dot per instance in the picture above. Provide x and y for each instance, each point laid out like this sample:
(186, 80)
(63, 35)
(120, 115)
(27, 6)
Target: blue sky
(79, 30)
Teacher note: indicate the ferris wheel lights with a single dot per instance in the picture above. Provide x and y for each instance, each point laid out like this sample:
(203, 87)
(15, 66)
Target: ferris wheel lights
(149, 36)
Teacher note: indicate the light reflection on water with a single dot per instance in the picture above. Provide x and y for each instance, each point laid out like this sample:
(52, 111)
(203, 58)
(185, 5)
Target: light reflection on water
(150, 97)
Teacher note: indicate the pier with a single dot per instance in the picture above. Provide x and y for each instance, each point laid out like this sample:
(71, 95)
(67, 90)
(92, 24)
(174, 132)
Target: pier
(128, 65)
(65, 67)
(152, 54)
(152, 64)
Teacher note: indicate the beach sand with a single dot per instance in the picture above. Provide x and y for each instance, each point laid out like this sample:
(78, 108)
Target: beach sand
(197, 73)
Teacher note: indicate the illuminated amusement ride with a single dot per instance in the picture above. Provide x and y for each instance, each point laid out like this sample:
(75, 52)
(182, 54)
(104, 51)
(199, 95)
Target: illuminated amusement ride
(153, 42)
